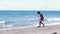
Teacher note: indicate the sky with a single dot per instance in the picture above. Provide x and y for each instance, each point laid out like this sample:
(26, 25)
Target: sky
(30, 4)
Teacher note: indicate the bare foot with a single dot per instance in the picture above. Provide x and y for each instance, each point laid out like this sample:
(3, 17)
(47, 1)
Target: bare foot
(38, 26)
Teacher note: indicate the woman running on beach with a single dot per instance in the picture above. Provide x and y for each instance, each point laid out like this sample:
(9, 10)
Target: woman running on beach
(41, 18)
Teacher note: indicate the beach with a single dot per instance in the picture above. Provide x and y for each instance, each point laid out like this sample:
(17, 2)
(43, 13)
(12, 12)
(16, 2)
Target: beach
(33, 30)
(26, 22)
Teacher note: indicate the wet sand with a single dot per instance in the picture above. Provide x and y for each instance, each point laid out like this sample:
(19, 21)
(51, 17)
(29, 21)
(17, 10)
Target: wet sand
(33, 30)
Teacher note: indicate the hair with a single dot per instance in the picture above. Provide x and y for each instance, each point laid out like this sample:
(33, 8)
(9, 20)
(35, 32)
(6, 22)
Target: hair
(54, 33)
(38, 12)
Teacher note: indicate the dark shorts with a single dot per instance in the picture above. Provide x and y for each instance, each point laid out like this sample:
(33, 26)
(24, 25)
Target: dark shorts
(41, 20)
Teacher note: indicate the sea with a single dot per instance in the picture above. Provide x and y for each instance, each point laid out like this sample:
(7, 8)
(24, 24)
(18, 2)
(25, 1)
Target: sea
(27, 18)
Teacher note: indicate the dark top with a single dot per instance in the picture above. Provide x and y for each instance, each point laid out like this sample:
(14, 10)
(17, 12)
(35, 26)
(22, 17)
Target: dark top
(41, 17)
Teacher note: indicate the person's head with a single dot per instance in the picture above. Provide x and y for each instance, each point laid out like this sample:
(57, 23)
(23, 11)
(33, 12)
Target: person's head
(54, 33)
(38, 12)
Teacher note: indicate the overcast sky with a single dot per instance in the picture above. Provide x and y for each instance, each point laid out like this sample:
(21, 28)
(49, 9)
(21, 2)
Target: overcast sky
(30, 4)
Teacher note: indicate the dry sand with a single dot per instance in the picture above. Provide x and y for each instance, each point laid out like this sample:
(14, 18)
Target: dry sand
(33, 30)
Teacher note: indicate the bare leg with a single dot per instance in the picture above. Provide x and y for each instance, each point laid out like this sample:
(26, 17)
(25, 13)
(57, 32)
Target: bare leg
(39, 24)
(43, 24)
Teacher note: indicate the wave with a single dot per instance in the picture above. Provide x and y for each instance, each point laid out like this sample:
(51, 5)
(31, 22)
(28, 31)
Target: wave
(30, 22)
(2, 22)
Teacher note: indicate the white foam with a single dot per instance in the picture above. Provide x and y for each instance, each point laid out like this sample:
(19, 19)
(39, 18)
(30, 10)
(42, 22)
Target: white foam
(2, 22)
(53, 19)
(7, 26)
(53, 24)
(34, 22)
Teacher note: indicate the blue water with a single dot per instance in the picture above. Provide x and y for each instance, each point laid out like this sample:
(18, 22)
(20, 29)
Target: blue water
(21, 18)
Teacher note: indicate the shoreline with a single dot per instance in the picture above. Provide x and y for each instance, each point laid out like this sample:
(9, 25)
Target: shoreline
(8, 28)
(33, 30)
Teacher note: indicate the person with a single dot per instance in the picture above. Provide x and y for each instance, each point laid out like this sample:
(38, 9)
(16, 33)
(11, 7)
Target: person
(41, 18)
(54, 33)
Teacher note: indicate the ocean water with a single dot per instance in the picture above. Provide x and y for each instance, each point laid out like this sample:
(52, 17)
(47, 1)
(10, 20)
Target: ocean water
(21, 18)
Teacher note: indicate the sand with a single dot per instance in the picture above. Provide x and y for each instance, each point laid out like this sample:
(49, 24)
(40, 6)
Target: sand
(33, 30)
